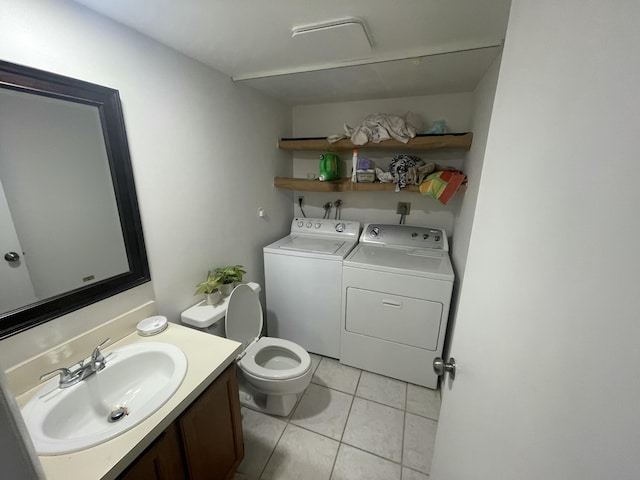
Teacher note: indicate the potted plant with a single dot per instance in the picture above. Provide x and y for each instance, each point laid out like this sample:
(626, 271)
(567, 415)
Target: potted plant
(210, 288)
(228, 276)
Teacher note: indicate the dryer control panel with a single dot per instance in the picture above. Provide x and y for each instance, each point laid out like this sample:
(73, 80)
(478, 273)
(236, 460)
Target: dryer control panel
(405, 236)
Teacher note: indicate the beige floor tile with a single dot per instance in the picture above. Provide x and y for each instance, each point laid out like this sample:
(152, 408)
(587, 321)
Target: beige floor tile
(419, 438)
(301, 454)
(372, 426)
(375, 428)
(423, 401)
(332, 374)
(408, 474)
(261, 434)
(381, 389)
(315, 361)
(354, 464)
(323, 411)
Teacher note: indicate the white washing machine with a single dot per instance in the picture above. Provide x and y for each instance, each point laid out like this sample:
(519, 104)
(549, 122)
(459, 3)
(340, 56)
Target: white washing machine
(303, 283)
(397, 286)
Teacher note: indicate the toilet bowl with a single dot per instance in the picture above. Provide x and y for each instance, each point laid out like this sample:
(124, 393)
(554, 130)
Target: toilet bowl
(272, 372)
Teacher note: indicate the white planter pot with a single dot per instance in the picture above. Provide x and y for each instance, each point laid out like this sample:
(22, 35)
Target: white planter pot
(213, 298)
(227, 288)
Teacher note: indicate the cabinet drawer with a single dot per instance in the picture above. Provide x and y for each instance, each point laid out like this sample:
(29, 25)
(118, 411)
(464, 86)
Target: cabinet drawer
(406, 320)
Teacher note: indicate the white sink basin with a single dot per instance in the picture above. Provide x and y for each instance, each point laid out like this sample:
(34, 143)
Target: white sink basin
(137, 381)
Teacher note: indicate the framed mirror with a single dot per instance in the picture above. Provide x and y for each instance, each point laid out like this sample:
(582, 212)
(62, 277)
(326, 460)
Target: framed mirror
(70, 230)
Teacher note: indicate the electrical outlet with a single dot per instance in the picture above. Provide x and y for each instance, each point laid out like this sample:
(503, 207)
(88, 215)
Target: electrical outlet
(403, 208)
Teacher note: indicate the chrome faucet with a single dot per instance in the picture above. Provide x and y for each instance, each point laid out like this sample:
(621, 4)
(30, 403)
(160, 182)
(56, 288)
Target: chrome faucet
(70, 377)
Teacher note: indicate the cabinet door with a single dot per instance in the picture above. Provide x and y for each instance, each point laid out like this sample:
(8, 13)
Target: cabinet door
(161, 461)
(212, 430)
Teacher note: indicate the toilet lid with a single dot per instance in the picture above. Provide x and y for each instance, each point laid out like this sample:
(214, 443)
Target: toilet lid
(243, 322)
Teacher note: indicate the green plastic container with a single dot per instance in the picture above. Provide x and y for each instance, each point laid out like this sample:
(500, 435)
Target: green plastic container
(329, 167)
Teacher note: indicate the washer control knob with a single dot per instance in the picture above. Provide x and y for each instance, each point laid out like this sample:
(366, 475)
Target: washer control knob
(318, 225)
(414, 235)
(300, 223)
(425, 236)
(309, 224)
(340, 227)
(375, 231)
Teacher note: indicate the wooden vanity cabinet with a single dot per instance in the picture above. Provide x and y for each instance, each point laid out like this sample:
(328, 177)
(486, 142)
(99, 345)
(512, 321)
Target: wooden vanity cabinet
(212, 430)
(161, 461)
(205, 442)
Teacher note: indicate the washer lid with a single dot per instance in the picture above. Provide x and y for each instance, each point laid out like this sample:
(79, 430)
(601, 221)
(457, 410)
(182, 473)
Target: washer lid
(243, 322)
(313, 245)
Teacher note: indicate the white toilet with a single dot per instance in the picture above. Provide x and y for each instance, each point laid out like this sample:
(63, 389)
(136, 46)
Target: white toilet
(272, 371)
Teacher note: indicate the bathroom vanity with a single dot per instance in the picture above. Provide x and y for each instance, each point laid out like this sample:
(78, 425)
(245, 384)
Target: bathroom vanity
(204, 442)
(196, 434)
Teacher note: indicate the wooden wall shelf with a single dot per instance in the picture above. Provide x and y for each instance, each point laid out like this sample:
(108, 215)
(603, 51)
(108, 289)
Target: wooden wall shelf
(420, 142)
(304, 185)
(342, 185)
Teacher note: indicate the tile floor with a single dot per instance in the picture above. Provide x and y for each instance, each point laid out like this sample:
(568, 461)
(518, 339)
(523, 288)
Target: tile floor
(348, 425)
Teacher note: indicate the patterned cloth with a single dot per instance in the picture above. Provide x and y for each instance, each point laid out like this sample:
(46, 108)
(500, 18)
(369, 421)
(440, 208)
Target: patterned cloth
(400, 165)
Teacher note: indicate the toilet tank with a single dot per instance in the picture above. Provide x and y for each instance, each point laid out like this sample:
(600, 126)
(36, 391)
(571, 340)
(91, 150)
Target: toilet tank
(217, 328)
(210, 318)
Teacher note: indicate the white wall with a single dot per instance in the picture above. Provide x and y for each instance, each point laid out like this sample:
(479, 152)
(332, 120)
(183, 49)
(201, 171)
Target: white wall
(326, 119)
(482, 103)
(483, 97)
(203, 150)
(17, 455)
(547, 330)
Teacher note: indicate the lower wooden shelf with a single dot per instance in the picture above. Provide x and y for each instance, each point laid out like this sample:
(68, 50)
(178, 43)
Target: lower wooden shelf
(342, 185)
(304, 185)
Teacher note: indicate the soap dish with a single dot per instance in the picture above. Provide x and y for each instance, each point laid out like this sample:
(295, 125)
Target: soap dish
(152, 326)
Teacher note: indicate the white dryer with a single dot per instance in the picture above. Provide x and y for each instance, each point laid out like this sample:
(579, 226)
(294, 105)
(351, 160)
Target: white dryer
(397, 286)
(303, 283)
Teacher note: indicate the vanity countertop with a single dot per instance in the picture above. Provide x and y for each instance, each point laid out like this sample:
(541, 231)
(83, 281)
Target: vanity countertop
(207, 357)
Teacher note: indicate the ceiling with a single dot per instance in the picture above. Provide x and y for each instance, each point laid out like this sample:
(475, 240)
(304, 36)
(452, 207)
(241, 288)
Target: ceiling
(404, 47)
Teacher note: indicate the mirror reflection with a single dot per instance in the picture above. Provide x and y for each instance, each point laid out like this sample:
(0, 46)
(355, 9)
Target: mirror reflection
(70, 229)
(59, 222)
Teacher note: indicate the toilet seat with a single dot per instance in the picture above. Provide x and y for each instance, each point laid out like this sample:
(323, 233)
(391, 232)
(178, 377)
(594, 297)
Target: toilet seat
(243, 323)
(249, 364)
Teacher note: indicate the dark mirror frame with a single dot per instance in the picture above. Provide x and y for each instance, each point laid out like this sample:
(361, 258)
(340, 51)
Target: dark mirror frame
(107, 101)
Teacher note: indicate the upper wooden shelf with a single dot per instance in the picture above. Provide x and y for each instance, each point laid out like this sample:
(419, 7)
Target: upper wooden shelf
(420, 142)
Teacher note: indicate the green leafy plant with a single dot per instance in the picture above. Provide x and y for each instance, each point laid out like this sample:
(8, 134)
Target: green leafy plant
(209, 286)
(226, 275)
